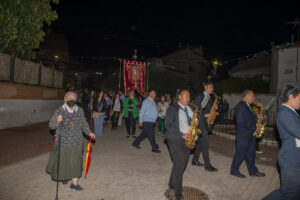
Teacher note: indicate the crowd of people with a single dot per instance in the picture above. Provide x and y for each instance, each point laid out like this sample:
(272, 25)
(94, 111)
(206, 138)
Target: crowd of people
(173, 117)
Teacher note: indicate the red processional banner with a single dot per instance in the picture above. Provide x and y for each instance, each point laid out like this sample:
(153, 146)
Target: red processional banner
(134, 76)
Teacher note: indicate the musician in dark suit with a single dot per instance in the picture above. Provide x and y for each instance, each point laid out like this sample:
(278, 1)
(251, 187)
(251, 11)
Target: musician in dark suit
(177, 121)
(245, 141)
(204, 101)
(288, 124)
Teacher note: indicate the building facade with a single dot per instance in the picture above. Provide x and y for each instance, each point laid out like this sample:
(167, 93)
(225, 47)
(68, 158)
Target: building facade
(187, 63)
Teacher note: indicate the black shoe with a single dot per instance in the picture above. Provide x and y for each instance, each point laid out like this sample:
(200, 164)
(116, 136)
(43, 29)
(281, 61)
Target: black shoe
(76, 187)
(258, 174)
(65, 182)
(197, 163)
(156, 151)
(239, 175)
(134, 136)
(179, 197)
(211, 169)
(127, 136)
(138, 147)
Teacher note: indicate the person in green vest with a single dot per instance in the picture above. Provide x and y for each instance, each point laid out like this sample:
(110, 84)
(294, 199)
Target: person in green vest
(130, 107)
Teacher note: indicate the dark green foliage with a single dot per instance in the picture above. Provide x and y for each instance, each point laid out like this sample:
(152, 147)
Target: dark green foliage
(21, 25)
(166, 82)
(238, 85)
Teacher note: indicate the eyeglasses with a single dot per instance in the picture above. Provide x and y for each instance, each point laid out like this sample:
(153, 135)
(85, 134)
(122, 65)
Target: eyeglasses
(292, 90)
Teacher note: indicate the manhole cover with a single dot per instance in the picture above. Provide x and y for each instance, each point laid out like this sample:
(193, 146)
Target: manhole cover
(188, 193)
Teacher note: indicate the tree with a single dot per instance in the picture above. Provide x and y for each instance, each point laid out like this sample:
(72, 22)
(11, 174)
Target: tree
(238, 85)
(22, 23)
(166, 81)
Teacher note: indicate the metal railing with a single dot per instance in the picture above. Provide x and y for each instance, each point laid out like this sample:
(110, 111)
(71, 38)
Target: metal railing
(225, 126)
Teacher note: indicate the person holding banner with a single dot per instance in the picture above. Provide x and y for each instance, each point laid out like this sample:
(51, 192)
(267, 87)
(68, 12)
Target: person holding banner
(130, 107)
(69, 122)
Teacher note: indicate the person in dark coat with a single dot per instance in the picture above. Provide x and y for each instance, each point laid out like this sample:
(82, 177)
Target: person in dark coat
(99, 112)
(245, 141)
(178, 119)
(204, 101)
(117, 109)
(86, 99)
(288, 124)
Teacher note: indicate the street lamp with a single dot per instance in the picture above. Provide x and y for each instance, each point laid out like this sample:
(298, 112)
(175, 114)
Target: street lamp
(56, 57)
(215, 65)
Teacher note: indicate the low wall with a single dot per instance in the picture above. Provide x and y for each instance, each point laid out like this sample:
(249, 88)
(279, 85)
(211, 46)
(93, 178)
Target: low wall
(19, 112)
(22, 104)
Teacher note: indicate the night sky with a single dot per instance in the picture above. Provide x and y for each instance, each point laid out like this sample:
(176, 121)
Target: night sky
(226, 29)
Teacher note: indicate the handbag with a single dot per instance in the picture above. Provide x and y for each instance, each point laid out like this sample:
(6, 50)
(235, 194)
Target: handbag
(111, 113)
(96, 114)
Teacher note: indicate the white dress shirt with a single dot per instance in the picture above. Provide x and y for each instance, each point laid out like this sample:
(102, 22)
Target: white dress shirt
(205, 100)
(183, 122)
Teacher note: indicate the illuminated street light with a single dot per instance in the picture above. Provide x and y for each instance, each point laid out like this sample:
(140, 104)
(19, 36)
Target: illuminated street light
(216, 63)
(56, 57)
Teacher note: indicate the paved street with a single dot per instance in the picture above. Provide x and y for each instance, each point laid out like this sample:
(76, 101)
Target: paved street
(119, 171)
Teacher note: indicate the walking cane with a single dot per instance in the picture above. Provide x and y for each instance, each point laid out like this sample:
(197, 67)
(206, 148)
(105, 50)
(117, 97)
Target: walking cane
(58, 161)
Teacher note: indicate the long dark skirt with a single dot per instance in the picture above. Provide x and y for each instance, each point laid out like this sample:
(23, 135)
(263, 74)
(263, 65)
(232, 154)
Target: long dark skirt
(70, 165)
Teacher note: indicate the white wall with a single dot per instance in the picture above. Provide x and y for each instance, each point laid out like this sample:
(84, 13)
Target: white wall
(14, 112)
(235, 98)
(247, 73)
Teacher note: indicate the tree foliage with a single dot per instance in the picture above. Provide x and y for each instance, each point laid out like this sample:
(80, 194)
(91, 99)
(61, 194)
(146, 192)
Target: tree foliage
(22, 23)
(166, 82)
(238, 85)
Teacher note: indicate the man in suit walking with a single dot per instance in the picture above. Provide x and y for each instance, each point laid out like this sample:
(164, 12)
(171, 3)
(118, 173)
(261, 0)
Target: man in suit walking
(204, 101)
(245, 141)
(178, 119)
(288, 124)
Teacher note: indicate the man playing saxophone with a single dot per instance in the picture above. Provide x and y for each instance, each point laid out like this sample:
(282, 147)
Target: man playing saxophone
(245, 141)
(177, 120)
(204, 101)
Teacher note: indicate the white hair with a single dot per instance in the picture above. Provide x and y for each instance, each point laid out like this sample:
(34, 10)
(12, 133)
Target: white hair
(70, 93)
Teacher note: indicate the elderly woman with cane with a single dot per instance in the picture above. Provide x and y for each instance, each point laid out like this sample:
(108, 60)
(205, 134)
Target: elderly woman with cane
(69, 122)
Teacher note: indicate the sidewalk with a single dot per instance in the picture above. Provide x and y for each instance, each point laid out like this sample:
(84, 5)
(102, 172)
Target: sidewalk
(119, 171)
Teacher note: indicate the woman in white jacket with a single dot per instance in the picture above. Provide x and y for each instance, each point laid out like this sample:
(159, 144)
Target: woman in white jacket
(162, 109)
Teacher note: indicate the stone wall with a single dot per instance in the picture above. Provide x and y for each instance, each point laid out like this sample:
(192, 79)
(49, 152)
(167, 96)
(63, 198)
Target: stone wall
(29, 72)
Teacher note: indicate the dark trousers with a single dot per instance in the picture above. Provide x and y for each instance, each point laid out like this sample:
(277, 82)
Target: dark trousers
(202, 145)
(115, 119)
(147, 131)
(289, 187)
(245, 149)
(180, 157)
(130, 124)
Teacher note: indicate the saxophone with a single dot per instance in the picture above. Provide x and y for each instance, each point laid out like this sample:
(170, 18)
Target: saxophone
(194, 131)
(213, 111)
(261, 123)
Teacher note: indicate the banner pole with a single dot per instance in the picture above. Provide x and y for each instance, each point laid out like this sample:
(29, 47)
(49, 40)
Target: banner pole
(120, 72)
(148, 63)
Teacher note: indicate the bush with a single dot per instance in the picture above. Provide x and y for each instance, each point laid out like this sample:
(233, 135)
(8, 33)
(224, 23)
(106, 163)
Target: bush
(238, 85)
